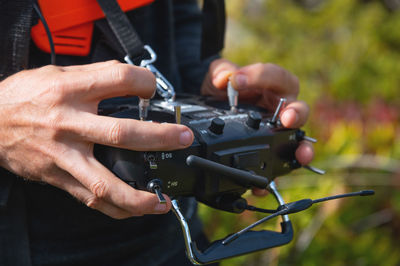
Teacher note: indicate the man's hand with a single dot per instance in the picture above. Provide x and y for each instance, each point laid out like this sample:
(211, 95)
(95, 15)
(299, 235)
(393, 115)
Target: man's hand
(48, 127)
(263, 85)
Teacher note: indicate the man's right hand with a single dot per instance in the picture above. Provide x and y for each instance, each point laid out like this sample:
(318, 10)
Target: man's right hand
(49, 124)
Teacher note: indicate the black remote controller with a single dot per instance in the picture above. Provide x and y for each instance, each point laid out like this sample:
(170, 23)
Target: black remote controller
(232, 152)
(236, 147)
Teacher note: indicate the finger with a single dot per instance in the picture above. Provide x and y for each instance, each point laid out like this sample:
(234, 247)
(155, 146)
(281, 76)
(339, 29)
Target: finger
(304, 153)
(66, 182)
(107, 82)
(221, 80)
(259, 192)
(266, 77)
(90, 67)
(220, 71)
(295, 114)
(132, 134)
(107, 187)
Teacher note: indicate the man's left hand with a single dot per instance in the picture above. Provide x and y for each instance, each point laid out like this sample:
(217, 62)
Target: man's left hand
(263, 85)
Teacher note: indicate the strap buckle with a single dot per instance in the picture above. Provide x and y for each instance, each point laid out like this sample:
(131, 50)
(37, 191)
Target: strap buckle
(164, 87)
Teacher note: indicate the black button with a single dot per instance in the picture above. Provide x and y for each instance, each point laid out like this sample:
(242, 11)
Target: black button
(217, 126)
(254, 119)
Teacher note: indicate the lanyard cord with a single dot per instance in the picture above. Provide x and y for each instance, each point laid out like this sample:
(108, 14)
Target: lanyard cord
(123, 30)
(212, 33)
(135, 51)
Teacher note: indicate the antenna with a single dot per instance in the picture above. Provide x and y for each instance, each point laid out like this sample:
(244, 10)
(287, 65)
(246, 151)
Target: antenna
(293, 207)
(243, 178)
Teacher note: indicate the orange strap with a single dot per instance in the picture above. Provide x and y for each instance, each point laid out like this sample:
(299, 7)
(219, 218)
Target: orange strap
(71, 24)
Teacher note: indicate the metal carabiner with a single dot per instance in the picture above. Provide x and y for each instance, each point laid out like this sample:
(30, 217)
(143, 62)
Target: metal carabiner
(164, 87)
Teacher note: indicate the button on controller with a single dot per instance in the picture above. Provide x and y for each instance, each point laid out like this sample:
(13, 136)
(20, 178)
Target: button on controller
(254, 120)
(217, 126)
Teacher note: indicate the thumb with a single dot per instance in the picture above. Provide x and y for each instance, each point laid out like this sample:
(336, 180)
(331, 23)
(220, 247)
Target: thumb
(220, 71)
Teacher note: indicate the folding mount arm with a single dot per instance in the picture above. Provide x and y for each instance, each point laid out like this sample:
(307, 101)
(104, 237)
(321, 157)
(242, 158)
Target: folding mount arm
(248, 242)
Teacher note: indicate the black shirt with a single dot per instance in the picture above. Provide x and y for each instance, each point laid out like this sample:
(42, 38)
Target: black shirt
(63, 231)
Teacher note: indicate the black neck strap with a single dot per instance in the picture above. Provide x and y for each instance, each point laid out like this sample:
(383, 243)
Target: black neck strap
(212, 33)
(122, 29)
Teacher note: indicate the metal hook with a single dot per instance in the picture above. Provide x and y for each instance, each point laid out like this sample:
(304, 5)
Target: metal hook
(164, 87)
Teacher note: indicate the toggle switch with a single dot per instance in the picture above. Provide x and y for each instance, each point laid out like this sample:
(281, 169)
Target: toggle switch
(275, 118)
(155, 187)
(295, 164)
(301, 135)
(143, 108)
(233, 97)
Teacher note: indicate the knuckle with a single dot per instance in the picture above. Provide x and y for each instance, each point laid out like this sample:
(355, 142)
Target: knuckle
(120, 73)
(99, 189)
(261, 66)
(115, 133)
(283, 77)
(55, 120)
(90, 84)
(274, 69)
(114, 62)
(58, 89)
(166, 139)
(218, 63)
(260, 69)
(50, 68)
(92, 202)
(54, 85)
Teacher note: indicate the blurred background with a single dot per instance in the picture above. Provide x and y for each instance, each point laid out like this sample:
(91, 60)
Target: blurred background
(346, 54)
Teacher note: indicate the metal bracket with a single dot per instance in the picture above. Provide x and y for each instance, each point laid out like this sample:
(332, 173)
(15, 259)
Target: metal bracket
(186, 232)
(204, 258)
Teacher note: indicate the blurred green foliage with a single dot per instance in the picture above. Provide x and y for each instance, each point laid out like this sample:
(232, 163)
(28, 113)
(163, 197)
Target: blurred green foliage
(346, 54)
(346, 48)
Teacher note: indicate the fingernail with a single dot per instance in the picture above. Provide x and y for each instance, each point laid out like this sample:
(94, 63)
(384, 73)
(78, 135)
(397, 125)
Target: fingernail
(289, 118)
(241, 81)
(185, 138)
(160, 207)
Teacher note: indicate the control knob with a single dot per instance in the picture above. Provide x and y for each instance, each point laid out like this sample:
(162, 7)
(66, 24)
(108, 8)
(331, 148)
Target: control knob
(217, 126)
(253, 120)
